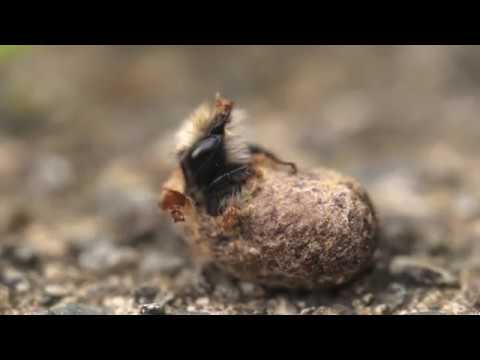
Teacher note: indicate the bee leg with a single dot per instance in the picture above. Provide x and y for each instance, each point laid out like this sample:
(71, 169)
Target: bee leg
(256, 149)
(231, 177)
(223, 186)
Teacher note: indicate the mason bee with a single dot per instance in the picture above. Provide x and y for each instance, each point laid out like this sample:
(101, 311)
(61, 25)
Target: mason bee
(241, 210)
(215, 162)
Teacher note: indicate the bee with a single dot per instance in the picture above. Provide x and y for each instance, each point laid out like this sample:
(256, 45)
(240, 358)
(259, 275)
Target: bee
(215, 161)
(241, 210)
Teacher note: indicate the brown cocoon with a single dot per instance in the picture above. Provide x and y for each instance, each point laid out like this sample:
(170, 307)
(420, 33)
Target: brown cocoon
(311, 229)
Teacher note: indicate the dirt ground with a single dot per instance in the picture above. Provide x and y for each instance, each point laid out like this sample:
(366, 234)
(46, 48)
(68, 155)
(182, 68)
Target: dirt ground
(85, 144)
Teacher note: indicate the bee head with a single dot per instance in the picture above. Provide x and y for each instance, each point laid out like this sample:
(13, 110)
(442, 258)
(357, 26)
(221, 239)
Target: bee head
(210, 151)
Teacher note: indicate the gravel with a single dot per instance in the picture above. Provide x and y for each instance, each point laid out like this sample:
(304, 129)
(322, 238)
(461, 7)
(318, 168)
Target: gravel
(84, 152)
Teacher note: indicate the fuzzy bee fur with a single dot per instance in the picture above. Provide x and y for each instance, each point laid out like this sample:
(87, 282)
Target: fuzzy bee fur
(214, 158)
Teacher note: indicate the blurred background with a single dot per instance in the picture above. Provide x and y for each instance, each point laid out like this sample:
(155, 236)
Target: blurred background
(85, 143)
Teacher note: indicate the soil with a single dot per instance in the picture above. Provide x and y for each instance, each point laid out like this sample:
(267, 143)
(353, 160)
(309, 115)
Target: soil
(85, 144)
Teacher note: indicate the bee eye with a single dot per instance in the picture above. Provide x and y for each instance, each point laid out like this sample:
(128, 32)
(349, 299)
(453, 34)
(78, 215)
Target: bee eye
(206, 146)
(218, 129)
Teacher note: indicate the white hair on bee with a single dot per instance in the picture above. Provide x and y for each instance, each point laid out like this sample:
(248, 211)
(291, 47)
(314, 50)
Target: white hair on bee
(193, 128)
(235, 145)
(197, 125)
(234, 200)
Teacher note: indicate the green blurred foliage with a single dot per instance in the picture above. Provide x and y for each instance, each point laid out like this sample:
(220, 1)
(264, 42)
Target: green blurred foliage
(9, 51)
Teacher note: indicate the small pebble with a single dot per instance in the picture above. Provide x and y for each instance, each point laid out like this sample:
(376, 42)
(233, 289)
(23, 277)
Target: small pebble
(45, 241)
(395, 296)
(203, 301)
(119, 305)
(106, 256)
(328, 310)
(50, 173)
(77, 309)
(16, 281)
(13, 158)
(4, 298)
(157, 262)
(281, 306)
(152, 309)
(367, 299)
(471, 286)
(427, 313)
(422, 271)
(251, 290)
(145, 295)
(227, 291)
(381, 309)
(157, 308)
(53, 294)
(399, 234)
(22, 256)
(308, 311)
(466, 206)
(123, 197)
(188, 312)
(18, 220)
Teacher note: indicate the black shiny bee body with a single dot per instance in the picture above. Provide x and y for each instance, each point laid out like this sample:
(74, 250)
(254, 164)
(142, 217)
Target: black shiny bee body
(211, 173)
(209, 176)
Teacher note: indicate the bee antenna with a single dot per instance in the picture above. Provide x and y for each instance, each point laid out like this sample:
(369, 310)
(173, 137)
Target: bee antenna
(223, 110)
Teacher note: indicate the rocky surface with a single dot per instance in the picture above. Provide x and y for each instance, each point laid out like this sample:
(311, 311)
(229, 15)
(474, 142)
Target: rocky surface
(85, 144)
